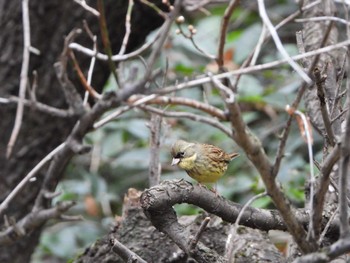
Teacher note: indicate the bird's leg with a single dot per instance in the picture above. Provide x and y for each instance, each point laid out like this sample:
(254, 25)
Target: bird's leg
(200, 184)
(214, 189)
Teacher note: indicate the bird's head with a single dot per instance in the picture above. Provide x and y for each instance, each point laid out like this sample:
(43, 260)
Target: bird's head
(183, 154)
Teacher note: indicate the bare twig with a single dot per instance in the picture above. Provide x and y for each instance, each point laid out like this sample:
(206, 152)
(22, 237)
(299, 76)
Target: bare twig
(72, 97)
(164, 100)
(250, 201)
(192, 31)
(105, 37)
(26, 179)
(87, 7)
(285, 133)
(207, 120)
(127, 28)
(40, 107)
(325, 230)
(338, 95)
(323, 186)
(322, 18)
(31, 221)
(344, 168)
(154, 166)
(116, 58)
(267, 22)
(307, 129)
(229, 245)
(341, 247)
(229, 94)
(126, 254)
(324, 111)
(122, 110)
(252, 68)
(203, 80)
(82, 78)
(194, 240)
(24, 77)
(339, 115)
(301, 47)
(259, 45)
(159, 46)
(91, 69)
(155, 8)
(138, 100)
(268, 35)
(34, 87)
(69, 218)
(223, 31)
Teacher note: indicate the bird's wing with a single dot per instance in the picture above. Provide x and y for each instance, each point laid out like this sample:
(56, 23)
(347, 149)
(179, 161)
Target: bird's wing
(216, 154)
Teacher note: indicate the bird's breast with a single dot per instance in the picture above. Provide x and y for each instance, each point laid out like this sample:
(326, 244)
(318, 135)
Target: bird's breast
(188, 163)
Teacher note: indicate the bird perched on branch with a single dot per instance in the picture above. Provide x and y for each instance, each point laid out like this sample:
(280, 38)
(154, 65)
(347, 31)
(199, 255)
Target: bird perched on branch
(203, 162)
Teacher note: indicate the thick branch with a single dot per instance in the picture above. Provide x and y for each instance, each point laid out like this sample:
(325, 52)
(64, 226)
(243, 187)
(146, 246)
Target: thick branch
(256, 154)
(341, 247)
(157, 203)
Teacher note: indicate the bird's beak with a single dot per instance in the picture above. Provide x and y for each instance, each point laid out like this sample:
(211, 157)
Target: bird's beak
(175, 161)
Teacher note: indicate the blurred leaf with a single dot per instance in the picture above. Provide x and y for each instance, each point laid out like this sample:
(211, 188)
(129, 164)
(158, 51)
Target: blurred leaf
(251, 99)
(208, 27)
(245, 44)
(296, 194)
(64, 239)
(262, 202)
(249, 86)
(91, 206)
(137, 127)
(80, 187)
(249, 117)
(234, 35)
(111, 84)
(133, 158)
(236, 185)
(180, 68)
(97, 184)
(291, 49)
(186, 209)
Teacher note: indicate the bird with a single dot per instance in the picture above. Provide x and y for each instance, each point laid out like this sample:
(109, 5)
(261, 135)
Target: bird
(205, 163)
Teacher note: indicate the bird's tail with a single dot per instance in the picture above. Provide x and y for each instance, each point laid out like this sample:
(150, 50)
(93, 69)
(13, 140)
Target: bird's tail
(233, 155)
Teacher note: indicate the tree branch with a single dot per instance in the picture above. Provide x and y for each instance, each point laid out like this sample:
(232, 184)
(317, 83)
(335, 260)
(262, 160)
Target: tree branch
(158, 201)
(32, 221)
(164, 100)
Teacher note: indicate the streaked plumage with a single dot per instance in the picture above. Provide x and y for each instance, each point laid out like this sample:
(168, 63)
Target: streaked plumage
(203, 162)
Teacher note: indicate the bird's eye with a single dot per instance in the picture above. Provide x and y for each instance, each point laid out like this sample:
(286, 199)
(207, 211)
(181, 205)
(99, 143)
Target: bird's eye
(180, 155)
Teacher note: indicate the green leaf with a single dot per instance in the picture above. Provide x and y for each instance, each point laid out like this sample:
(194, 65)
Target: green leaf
(244, 45)
(262, 202)
(249, 86)
(180, 68)
(133, 158)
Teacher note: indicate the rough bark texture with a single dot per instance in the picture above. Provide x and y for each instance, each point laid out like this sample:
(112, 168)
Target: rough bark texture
(328, 62)
(328, 65)
(50, 21)
(137, 233)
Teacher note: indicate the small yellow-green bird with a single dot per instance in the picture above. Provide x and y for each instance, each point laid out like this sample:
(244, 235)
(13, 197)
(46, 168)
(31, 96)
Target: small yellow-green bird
(203, 162)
